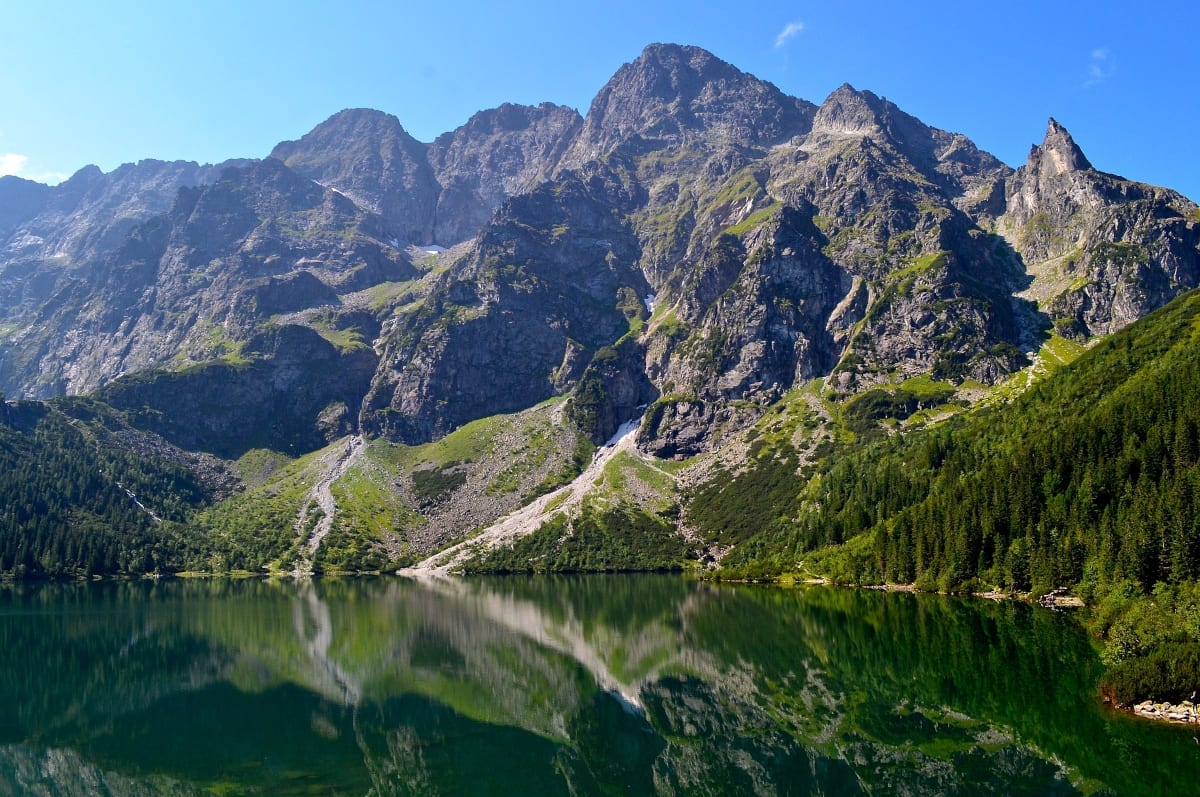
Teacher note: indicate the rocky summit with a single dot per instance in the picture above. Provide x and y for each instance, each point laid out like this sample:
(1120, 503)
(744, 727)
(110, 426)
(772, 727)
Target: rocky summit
(690, 252)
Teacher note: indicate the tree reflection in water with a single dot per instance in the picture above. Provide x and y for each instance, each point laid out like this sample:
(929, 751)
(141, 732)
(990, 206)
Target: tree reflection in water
(567, 685)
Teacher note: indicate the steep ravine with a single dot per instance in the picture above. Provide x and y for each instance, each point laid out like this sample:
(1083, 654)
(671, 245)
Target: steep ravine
(321, 496)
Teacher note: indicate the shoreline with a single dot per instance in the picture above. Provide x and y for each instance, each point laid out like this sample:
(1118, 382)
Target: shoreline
(1185, 713)
(1056, 599)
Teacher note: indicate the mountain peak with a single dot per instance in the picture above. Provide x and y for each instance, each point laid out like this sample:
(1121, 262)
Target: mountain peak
(848, 110)
(673, 93)
(369, 156)
(1058, 153)
(671, 50)
(86, 175)
(666, 71)
(511, 117)
(348, 124)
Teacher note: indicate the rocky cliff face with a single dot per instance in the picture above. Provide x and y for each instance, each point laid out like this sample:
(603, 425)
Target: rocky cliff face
(846, 248)
(195, 284)
(292, 392)
(368, 157)
(672, 97)
(1102, 251)
(51, 242)
(92, 212)
(699, 241)
(515, 319)
(20, 200)
(497, 154)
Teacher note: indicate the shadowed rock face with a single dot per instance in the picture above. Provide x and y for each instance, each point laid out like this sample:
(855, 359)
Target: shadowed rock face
(290, 395)
(523, 305)
(700, 239)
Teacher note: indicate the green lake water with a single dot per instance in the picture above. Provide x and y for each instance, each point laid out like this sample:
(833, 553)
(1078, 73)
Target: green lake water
(582, 685)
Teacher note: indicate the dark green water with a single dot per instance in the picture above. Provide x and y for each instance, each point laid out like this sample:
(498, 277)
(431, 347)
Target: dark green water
(588, 685)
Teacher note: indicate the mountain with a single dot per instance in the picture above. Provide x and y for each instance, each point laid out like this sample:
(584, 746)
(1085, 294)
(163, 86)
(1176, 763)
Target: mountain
(497, 154)
(1102, 251)
(20, 199)
(1089, 475)
(51, 241)
(206, 288)
(515, 319)
(672, 97)
(82, 492)
(432, 194)
(700, 253)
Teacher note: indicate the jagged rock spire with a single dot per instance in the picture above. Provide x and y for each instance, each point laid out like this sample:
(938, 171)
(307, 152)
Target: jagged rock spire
(1058, 153)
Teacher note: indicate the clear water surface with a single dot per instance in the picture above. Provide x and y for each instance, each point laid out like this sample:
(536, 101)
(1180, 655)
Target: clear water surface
(583, 685)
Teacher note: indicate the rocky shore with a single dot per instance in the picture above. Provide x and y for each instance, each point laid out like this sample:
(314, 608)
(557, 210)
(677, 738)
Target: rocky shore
(1187, 712)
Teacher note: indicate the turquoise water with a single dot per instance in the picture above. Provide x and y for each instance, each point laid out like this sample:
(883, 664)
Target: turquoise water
(582, 685)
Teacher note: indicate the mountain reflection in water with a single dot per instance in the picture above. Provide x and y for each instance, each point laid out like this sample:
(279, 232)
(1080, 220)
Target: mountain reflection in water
(569, 685)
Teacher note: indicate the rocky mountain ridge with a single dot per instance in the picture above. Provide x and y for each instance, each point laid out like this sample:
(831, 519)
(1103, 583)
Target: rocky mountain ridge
(439, 193)
(700, 242)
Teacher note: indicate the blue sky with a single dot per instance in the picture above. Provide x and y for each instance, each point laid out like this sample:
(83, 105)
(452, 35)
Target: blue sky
(111, 82)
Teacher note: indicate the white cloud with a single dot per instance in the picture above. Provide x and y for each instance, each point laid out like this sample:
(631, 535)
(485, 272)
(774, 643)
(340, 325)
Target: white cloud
(49, 178)
(788, 32)
(12, 163)
(1100, 67)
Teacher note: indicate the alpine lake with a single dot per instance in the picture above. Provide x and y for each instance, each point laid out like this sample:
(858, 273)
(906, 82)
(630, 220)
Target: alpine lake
(622, 684)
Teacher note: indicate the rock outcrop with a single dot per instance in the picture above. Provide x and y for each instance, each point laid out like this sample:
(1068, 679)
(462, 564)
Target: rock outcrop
(1102, 251)
(673, 97)
(370, 158)
(197, 283)
(292, 393)
(497, 154)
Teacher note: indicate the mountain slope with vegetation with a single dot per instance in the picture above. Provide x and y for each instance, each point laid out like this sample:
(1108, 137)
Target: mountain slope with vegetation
(1089, 476)
(1088, 482)
(81, 493)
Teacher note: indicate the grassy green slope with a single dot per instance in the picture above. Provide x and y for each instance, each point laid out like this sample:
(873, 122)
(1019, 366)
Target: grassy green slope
(394, 503)
(626, 522)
